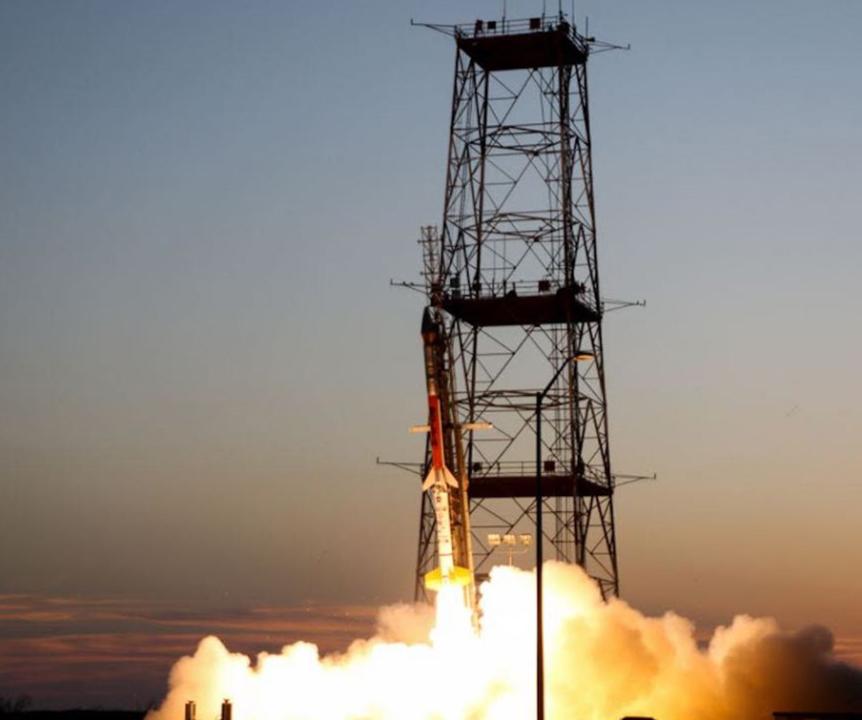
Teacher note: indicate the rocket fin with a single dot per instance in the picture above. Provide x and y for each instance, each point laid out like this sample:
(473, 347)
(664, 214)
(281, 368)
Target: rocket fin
(440, 476)
(449, 477)
(434, 579)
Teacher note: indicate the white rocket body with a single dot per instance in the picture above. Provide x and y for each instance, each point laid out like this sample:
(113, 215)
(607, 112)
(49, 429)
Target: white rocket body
(439, 478)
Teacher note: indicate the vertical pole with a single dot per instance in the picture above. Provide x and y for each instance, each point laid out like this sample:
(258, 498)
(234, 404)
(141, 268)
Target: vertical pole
(540, 650)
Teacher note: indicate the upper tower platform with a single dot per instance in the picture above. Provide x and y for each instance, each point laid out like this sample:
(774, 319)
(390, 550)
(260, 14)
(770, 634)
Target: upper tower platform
(521, 44)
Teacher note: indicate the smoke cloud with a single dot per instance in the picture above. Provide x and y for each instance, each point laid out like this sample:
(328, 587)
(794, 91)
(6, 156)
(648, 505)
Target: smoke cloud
(604, 660)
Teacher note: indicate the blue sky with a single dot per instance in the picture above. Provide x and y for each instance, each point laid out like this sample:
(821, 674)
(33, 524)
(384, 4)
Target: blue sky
(201, 207)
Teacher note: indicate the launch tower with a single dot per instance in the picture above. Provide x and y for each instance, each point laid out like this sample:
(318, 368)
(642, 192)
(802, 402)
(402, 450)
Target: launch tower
(512, 281)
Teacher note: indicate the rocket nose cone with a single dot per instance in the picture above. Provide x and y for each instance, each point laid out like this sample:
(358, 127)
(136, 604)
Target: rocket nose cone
(428, 324)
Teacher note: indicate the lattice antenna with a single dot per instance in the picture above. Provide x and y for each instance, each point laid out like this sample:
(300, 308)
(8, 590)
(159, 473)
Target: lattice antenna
(430, 241)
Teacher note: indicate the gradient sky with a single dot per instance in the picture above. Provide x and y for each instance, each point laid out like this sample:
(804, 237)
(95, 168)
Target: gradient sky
(201, 207)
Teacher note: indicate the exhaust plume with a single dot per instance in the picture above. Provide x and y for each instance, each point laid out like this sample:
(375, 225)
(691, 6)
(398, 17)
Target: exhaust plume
(604, 660)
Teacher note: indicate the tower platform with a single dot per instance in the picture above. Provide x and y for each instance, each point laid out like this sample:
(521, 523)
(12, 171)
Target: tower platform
(524, 486)
(512, 309)
(521, 44)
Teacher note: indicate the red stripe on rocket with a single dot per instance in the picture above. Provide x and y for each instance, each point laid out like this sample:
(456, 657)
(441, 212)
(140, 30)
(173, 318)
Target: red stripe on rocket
(439, 478)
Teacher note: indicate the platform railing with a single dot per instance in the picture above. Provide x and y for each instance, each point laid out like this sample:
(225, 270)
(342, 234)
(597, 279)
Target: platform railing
(520, 26)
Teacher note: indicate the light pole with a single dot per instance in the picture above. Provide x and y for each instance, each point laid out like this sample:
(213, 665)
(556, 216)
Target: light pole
(540, 644)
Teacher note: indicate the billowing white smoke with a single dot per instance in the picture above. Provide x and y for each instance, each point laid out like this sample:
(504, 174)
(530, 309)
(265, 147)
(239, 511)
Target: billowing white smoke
(604, 661)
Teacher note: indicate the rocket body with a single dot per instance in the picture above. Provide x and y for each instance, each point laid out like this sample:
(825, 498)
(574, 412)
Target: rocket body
(439, 478)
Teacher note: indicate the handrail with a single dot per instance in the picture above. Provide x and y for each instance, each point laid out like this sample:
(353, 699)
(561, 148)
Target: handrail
(522, 26)
(518, 26)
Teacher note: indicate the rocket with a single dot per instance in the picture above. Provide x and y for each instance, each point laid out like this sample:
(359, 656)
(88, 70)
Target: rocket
(439, 478)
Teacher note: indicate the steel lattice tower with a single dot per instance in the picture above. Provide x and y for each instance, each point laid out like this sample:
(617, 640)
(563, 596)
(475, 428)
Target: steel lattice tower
(512, 278)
